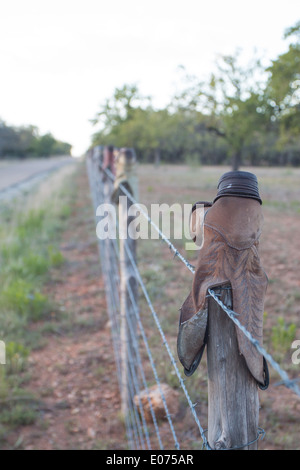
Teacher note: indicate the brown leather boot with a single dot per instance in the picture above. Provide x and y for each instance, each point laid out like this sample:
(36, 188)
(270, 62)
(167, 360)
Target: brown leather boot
(229, 255)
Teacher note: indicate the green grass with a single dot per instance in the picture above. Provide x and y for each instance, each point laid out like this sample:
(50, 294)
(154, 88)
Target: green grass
(25, 299)
(290, 206)
(18, 415)
(16, 357)
(29, 252)
(282, 336)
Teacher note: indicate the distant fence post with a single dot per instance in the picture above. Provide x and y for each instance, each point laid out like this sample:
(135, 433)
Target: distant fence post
(126, 176)
(105, 161)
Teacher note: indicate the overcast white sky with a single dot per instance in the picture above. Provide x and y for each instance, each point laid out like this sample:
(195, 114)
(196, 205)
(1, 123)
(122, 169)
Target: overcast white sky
(60, 59)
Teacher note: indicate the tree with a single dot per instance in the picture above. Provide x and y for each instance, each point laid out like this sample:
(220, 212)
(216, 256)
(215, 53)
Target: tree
(245, 113)
(25, 141)
(235, 104)
(119, 108)
(127, 119)
(283, 95)
(8, 138)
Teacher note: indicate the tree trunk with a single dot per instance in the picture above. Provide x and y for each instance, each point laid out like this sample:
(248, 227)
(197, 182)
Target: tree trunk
(157, 158)
(236, 161)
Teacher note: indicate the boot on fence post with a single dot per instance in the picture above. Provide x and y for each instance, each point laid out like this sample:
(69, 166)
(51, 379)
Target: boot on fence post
(229, 264)
(127, 178)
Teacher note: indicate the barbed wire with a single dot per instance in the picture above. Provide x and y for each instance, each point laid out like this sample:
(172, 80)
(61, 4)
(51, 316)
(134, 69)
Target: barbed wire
(134, 428)
(232, 315)
(291, 384)
(135, 422)
(145, 214)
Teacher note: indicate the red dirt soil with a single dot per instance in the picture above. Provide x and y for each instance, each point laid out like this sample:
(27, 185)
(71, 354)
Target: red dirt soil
(74, 374)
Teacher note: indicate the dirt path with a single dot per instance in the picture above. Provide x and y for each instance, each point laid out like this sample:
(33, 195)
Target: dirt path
(74, 375)
(20, 175)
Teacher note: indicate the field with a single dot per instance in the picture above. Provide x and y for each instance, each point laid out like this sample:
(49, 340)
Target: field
(279, 250)
(61, 389)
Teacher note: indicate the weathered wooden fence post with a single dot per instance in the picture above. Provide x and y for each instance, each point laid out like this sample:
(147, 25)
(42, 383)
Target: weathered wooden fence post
(229, 265)
(105, 161)
(233, 405)
(126, 177)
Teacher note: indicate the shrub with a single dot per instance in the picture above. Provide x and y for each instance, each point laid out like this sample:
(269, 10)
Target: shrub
(23, 298)
(283, 336)
(16, 357)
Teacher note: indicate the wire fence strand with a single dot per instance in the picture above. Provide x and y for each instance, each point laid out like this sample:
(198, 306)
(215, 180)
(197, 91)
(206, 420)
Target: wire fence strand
(291, 384)
(135, 422)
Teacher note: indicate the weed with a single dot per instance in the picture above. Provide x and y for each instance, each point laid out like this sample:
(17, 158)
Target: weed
(55, 257)
(28, 250)
(23, 298)
(18, 415)
(4, 389)
(30, 266)
(65, 212)
(16, 357)
(30, 224)
(282, 336)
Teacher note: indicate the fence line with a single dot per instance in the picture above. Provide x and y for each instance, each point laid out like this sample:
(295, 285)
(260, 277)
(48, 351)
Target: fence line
(285, 379)
(163, 236)
(134, 428)
(135, 422)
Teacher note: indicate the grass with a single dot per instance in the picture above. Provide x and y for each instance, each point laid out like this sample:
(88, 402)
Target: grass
(282, 337)
(286, 206)
(29, 252)
(18, 415)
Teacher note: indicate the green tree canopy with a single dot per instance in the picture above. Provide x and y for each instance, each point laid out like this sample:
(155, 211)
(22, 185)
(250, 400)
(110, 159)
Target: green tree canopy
(243, 114)
(283, 96)
(26, 142)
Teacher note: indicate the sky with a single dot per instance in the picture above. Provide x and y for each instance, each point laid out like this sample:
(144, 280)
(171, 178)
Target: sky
(61, 59)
